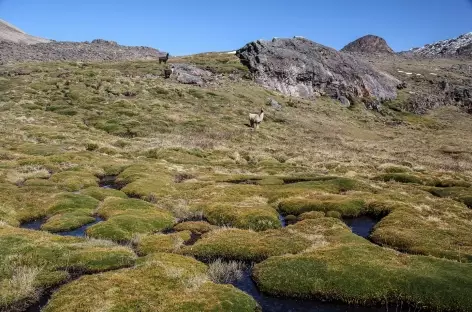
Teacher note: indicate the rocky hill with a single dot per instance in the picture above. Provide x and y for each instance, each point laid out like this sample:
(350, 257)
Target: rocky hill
(460, 46)
(97, 50)
(11, 33)
(369, 44)
(300, 67)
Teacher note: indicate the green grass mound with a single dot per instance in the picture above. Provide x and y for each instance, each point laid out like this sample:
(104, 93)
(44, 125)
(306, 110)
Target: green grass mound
(442, 231)
(461, 194)
(247, 245)
(126, 218)
(258, 218)
(353, 270)
(311, 215)
(160, 282)
(146, 181)
(400, 177)
(70, 211)
(327, 184)
(31, 261)
(101, 193)
(345, 206)
(74, 180)
(197, 227)
(162, 242)
(67, 221)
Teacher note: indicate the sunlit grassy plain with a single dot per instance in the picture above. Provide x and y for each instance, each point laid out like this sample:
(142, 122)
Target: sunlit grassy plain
(184, 152)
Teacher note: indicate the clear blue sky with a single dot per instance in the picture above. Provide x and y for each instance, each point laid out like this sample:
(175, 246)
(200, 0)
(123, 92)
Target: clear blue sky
(191, 26)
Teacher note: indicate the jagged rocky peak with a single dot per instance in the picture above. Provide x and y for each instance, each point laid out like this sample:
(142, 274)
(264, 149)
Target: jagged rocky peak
(303, 68)
(460, 46)
(369, 44)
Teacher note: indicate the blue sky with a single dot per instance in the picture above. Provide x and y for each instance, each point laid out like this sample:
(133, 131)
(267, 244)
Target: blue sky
(190, 26)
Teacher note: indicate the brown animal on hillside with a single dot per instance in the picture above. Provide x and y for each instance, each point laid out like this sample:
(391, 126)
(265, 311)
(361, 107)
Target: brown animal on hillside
(164, 58)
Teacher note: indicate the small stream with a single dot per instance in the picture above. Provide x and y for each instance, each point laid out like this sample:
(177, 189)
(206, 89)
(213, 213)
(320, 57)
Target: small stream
(79, 232)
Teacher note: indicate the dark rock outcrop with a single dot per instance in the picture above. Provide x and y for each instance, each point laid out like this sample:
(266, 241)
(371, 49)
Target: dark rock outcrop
(369, 44)
(97, 50)
(300, 67)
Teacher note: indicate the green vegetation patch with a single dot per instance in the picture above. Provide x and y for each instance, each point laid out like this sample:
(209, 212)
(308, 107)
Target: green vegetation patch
(197, 227)
(461, 194)
(101, 193)
(74, 180)
(352, 270)
(70, 211)
(344, 205)
(258, 218)
(67, 221)
(400, 177)
(146, 181)
(31, 261)
(442, 231)
(160, 282)
(126, 218)
(162, 242)
(247, 245)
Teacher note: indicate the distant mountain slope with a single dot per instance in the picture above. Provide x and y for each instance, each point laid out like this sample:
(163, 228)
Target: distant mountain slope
(369, 44)
(459, 46)
(11, 33)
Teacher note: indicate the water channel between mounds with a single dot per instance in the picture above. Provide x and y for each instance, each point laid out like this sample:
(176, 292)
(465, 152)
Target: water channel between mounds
(361, 226)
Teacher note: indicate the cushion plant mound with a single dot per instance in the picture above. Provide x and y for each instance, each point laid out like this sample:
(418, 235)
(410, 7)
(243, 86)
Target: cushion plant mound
(344, 205)
(67, 221)
(41, 260)
(162, 242)
(101, 193)
(70, 211)
(247, 245)
(74, 180)
(353, 270)
(257, 218)
(160, 282)
(197, 227)
(126, 218)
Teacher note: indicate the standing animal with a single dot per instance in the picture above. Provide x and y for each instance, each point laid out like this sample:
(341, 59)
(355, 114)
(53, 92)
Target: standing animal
(256, 119)
(164, 58)
(168, 72)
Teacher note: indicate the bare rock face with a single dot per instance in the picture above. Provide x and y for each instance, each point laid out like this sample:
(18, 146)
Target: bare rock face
(369, 44)
(190, 74)
(10, 33)
(300, 67)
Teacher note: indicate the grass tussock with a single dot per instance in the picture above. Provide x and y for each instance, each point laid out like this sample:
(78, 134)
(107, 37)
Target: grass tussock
(222, 272)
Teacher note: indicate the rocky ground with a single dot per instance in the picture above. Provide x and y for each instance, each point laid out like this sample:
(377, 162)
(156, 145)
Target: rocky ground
(124, 191)
(97, 50)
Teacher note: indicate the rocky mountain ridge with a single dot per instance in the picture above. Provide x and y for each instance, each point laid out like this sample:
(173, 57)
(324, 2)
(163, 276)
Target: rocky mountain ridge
(460, 46)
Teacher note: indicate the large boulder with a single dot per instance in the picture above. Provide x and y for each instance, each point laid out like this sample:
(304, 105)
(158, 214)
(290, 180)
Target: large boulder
(300, 67)
(369, 44)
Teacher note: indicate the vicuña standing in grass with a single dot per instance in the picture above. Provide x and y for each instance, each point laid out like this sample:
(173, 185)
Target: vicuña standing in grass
(256, 119)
